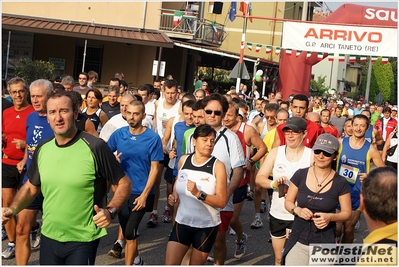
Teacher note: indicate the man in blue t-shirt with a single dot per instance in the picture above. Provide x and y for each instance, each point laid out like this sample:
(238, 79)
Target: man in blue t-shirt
(142, 170)
(37, 130)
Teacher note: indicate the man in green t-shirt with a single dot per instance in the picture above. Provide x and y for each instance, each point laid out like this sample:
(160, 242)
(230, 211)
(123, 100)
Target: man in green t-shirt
(374, 114)
(198, 83)
(72, 171)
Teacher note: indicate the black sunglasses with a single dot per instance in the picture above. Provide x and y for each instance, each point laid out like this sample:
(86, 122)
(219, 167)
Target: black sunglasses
(326, 154)
(216, 112)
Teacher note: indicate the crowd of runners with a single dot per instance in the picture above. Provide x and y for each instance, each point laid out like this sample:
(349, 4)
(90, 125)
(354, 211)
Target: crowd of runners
(83, 158)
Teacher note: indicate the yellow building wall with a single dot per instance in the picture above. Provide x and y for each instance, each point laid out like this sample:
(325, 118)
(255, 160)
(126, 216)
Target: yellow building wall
(126, 14)
(259, 31)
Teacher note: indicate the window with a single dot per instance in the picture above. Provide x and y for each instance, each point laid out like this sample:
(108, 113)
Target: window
(93, 61)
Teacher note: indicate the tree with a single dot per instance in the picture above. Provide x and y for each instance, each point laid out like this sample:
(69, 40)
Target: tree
(32, 70)
(382, 81)
(318, 87)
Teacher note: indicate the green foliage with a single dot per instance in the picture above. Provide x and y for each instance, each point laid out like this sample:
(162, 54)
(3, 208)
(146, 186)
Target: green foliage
(32, 70)
(220, 77)
(318, 87)
(382, 80)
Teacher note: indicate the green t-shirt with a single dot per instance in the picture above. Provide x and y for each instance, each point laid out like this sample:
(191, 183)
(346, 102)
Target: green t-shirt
(73, 178)
(187, 140)
(374, 117)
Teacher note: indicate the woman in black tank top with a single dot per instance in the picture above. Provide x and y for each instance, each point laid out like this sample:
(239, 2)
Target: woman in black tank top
(93, 110)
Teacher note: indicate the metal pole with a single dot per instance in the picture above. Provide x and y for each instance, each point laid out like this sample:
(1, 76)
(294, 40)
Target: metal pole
(159, 62)
(8, 54)
(366, 97)
(241, 61)
(84, 56)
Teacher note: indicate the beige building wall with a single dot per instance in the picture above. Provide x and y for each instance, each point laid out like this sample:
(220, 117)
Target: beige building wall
(126, 14)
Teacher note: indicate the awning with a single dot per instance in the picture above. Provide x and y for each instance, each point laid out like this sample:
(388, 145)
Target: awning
(86, 30)
(215, 51)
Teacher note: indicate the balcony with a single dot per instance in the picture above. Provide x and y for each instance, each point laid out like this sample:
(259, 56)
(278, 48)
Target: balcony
(188, 27)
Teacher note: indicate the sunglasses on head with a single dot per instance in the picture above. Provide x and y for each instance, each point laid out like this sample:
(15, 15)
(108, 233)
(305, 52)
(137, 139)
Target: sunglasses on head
(326, 154)
(216, 112)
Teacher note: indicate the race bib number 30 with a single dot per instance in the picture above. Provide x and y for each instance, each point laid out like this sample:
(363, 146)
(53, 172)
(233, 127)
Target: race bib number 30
(349, 172)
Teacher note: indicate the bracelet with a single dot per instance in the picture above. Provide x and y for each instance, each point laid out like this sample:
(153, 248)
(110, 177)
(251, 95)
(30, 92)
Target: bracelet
(293, 211)
(271, 185)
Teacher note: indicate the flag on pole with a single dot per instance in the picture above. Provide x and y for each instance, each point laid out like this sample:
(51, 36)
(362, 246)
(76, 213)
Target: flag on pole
(374, 58)
(384, 60)
(308, 54)
(363, 58)
(330, 56)
(278, 50)
(258, 47)
(298, 52)
(288, 51)
(320, 55)
(249, 45)
(246, 9)
(341, 58)
(232, 13)
(352, 58)
(269, 49)
(177, 17)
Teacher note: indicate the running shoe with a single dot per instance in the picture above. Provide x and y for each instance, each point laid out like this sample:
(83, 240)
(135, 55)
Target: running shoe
(250, 195)
(116, 250)
(357, 225)
(152, 220)
(36, 236)
(232, 232)
(263, 207)
(9, 252)
(138, 260)
(3, 233)
(166, 218)
(257, 223)
(241, 247)
(210, 258)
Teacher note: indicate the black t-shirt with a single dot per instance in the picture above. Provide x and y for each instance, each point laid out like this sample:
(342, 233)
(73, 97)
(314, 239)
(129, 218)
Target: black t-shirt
(109, 110)
(324, 202)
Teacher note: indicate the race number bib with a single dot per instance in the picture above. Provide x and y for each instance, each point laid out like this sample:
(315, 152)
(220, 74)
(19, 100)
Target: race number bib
(350, 173)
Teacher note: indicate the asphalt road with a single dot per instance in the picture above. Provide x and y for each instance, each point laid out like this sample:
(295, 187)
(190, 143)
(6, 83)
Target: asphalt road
(152, 241)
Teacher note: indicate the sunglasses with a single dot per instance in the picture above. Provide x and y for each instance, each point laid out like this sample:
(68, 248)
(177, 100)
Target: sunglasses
(326, 154)
(216, 112)
(317, 103)
(270, 117)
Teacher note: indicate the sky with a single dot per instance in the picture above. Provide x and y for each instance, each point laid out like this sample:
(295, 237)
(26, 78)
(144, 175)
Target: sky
(334, 5)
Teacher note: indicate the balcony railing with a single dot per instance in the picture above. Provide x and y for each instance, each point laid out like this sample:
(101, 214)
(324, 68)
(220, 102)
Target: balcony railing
(178, 24)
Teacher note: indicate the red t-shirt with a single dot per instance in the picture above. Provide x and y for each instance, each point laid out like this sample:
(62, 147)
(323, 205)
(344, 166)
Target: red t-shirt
(14, 127)
(314, 130)
(331, 130)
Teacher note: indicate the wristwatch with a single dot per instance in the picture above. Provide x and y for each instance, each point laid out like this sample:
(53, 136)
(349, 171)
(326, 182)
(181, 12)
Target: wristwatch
(251, 162)
(112, 211)
(202, 196)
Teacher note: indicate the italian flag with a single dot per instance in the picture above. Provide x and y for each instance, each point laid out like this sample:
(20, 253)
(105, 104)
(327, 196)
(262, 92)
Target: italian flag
(269, 49)
(384, 60)
(308, 54)
(258, 47)
(288, 51)
(341, 58)
(320, 55)
(249, 45)
(298, 52)
(330, 56)
(374, 58)
(278, 50)
(352, 58)
(177, 17)
(363, 58)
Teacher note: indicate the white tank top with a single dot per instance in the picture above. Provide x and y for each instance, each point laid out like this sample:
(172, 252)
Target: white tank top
(163, 115)
(170, 142)
(283, 167)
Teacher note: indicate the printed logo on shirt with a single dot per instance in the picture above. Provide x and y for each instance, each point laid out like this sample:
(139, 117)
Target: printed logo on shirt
(205, 179)
(17, 117)
(280, 168)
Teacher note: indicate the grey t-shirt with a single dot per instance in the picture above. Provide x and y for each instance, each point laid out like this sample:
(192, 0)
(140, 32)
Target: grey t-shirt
(338, 123)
